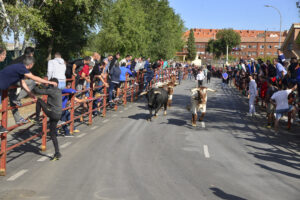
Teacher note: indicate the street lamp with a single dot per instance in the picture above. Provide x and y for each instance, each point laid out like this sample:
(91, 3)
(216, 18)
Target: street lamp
(269, 6)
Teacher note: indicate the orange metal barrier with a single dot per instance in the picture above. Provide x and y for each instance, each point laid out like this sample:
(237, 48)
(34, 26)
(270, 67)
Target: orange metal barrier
(130, 91)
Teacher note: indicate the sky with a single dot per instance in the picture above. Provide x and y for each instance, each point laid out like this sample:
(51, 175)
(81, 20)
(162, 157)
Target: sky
(237, 14)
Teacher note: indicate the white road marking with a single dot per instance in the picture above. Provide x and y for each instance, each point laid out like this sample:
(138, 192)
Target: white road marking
(107, 120)
(203, 124)
(81, 135)
(121, 111)
(17, 175)
(65, 145)
(93, 128)
(206, 153)
(42, 159)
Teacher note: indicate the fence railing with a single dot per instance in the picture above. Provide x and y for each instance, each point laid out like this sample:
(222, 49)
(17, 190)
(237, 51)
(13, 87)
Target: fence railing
(129, 92)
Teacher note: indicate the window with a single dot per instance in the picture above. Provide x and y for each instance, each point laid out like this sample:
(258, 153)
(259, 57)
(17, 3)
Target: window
(262, 46)
(275, 53)
(237, 53)
(276, 46)
(254, 46)
(232, 53)
(253, 53)
(243, 46)
(270, 46)
(268, 53)
(198, 46)
(261, 53)
(249, 46)
(249, 53)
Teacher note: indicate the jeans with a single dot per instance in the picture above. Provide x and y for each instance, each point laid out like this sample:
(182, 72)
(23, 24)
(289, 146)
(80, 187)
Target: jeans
(87, 86)
(61, 85)
(65, 116)
(112, 86)
(22, 94)
(189, 76)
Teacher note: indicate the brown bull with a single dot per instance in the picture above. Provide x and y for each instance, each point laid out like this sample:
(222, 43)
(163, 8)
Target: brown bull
(198, 103)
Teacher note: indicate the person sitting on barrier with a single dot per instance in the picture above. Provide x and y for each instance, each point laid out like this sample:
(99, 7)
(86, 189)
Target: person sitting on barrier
(14, 96)
(52, 109)
(12, 74)
(66, 113)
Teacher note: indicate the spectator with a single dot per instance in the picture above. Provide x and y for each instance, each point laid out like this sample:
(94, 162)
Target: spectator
(208, 76)
(53, 110)
(282, 105)
(281, 72)
(271, 70)
(224, 79)
(78, 66)
(29, 51)
(114, 83)
(99, 75)
(252, 95)
(200, 77)
(57, 69)
(114, 62)
(270, 106)
(189, 73)
(95, 59)
(292, 74)
(12, 74)
(126, 60)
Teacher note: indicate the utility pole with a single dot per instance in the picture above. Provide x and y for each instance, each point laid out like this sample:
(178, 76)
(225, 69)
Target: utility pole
(269, 6)
(227, 54)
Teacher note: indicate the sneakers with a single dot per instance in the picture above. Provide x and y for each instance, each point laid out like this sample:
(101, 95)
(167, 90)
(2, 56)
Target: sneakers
(17, 102)
(3, 130)
(56, 156)
(34, 121)
(22, 121)
(76, 131)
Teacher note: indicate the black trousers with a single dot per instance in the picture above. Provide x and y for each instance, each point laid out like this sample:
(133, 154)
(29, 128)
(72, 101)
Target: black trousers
(208, 79)
(54, 118)
(200, 82)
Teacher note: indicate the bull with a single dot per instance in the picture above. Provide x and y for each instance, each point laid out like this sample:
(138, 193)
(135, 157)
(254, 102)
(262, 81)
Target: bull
(198, 103)
(156, 97)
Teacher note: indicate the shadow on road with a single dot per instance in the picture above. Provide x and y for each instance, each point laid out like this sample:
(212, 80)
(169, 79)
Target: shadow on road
(221, 194)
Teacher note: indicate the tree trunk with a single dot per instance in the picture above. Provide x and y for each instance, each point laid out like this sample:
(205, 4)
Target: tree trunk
(50, 48)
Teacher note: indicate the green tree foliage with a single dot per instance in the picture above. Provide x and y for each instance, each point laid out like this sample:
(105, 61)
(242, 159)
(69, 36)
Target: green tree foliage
(191, 47)
(140, 28)
(70, 22)
(224, 37)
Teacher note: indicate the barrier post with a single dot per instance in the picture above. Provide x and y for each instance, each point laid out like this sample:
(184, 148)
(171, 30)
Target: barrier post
(72, 112)
(91, 104)
(104, 98)
(4, 135)
(44, 129)
(125, 92)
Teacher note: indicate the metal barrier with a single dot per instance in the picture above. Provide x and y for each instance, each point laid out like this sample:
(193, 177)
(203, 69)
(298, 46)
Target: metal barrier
(130, 91)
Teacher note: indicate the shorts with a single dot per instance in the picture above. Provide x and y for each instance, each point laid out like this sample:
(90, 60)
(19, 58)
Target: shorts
(270, 108)
(279, 113)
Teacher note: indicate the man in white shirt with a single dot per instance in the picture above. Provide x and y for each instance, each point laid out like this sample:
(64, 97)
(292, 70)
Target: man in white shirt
(200, 77)
(57, 69)
(282, 105)
(252, 95)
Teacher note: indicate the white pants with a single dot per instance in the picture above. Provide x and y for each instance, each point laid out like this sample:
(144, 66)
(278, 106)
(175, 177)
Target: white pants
(251, 104)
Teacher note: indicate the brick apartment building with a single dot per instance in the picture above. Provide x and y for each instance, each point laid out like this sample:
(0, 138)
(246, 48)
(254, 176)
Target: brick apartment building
(253, 44)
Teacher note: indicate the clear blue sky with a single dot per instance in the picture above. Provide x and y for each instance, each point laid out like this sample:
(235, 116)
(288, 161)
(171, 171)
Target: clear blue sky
(236, 14)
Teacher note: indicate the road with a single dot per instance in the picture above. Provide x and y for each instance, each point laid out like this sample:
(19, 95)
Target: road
(124, 157)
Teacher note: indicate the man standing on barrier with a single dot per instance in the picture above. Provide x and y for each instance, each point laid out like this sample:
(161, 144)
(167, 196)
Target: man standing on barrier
(53, 110)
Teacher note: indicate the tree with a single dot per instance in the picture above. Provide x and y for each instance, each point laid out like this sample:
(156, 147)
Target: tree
(191, 47)
(23, 18)
(228, 37)
(140, 28)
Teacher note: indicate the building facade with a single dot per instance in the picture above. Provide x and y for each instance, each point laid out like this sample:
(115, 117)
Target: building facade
(253, 44)
(291, 45)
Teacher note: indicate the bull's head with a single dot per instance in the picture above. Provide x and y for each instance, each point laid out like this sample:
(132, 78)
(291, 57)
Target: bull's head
(151, 96)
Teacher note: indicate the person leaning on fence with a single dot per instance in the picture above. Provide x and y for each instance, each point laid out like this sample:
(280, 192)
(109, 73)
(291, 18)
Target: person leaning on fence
(12, 74)
(57, 69)
(114, 83)
(280, 98)
(53, 110)
(78, 65)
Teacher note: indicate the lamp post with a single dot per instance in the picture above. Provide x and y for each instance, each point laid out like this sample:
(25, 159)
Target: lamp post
(269, 6)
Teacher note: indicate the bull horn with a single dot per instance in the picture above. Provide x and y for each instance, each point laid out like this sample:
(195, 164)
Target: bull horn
(157, 92)
(143, 93)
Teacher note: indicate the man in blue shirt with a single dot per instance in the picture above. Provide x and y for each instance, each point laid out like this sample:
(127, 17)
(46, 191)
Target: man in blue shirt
(281, 72)
(12, 74)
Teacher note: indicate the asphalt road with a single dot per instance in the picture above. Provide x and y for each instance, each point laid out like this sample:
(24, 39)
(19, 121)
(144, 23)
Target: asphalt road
(124, 157)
